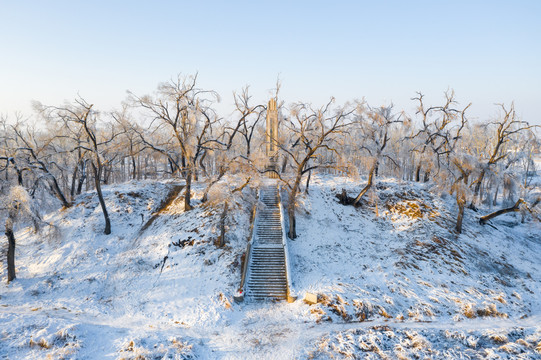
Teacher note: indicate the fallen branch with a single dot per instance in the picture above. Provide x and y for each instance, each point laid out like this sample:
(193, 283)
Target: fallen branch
(483, 219)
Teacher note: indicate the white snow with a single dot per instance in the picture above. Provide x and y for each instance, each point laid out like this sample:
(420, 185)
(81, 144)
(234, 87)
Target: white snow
(393, 282)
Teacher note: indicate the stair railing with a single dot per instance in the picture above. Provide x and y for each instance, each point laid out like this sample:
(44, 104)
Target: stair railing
(291, 296)
(240, 293)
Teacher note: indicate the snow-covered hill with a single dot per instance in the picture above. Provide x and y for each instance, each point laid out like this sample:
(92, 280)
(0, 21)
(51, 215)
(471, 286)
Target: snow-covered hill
(392, 280)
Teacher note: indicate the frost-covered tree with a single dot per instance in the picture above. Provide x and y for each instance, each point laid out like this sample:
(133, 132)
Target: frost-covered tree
(187, 118)
(439, 132)
(374, 132)
(312, 130)
(40, 156)
(502, 133)
(17, 205)
(249, 116)
(81, 118)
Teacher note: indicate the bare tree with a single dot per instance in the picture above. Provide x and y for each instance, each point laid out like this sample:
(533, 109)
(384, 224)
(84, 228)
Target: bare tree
(187, 113)
(18, 205)
(374, 136)
(439, 132)
(313, 130)
(507, 127)
(130, 132)
(250, 115)
(39, 156)
(80, 116)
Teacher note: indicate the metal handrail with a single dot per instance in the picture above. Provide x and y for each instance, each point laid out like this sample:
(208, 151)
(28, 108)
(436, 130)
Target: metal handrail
(244, 270)
(290, 291)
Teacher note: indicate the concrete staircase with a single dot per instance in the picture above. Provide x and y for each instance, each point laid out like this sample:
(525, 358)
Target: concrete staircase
(267, 274)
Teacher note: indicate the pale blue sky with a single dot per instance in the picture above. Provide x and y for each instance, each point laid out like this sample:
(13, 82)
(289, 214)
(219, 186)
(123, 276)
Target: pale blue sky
(487, 51)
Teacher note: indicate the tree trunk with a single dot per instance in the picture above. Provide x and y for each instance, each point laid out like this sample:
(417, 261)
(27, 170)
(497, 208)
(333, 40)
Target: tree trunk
(11, 249)
(188, 191)
(284, 164)
(477, 189)
(460, 202)
(495, 201)
(211, 183)
(134, 168)
(202, 166)
(427, 176)
(484, 219)
(240, 188)
(74, 181)
(58, 193)
(97, 183)
(418, 173)
(308, 181)
(82, 178)
(292, 233)
(183, 163)
(367, 187)
(221, 238)
(19, 177)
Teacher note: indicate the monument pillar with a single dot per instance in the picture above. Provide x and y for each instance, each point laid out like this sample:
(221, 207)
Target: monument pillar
(272, 139)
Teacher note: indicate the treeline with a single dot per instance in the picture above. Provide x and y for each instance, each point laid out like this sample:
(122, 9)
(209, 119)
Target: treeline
(176, 132)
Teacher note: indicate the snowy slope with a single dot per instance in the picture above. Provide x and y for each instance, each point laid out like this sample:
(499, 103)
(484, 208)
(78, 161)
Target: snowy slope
(392, 284)
(403, 269)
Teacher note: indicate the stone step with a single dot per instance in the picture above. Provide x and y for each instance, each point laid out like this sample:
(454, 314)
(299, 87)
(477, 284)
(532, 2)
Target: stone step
(275, 291)
(266, 282)
(261, 293)
(278, 290)
(262, 260)
(266, 296)
(268, 265)
(267, 268)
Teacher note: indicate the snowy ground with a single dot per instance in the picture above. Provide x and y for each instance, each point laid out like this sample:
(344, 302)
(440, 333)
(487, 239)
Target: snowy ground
(393, 282)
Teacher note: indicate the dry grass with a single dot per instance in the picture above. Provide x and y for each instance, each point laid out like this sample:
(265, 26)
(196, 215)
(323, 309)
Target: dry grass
(319, 314)
(363, 310)
(42, 343)
(336, 305)
(468, 310)
(523, 343)
(224, 300)
(413, 209)
(498, 338)
(384, 313)
(510, 348)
